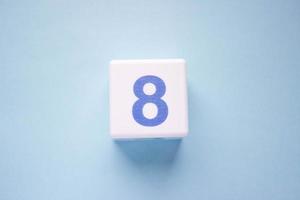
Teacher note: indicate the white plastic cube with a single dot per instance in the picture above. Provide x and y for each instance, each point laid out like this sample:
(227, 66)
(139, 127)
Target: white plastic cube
(148, 99)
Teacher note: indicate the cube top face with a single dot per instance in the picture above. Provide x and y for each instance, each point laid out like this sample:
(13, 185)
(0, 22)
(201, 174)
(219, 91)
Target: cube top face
(148, 99)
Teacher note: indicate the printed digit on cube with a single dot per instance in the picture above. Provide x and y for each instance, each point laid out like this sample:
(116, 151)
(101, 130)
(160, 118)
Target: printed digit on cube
(162, 108)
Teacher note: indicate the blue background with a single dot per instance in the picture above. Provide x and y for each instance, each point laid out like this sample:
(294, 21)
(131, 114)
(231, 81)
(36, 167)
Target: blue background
(244, 100)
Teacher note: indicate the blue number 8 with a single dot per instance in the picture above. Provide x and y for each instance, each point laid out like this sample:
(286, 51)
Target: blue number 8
(162, 108)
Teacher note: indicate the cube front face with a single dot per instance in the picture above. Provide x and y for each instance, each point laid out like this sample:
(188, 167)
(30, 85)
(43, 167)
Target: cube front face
(148, 99)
